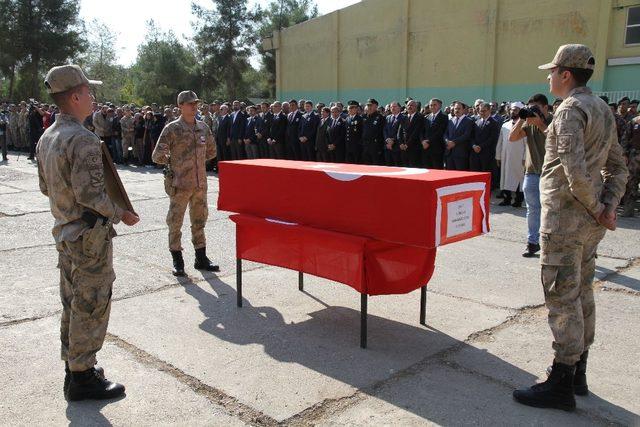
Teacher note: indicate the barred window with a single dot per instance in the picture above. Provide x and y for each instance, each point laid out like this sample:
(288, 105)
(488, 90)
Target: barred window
(633, 26)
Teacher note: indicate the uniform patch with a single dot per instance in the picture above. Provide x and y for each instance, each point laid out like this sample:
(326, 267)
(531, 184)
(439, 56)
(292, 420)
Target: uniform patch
(564, 143)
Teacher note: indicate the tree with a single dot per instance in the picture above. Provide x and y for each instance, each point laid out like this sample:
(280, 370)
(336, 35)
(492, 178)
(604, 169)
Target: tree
(224, 38)
(8, 46)
(99, 61)
(280, 14)
(164, 67)
(47, 33)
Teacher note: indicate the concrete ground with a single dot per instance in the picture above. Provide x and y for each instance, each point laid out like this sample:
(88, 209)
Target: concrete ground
(189, 356)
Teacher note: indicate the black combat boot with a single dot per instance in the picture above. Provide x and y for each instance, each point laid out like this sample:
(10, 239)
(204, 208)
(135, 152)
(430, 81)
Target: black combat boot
(90, 384)
(67, 376)
(555, 392)
(178, 263)
(532, 248)
(519, 198)
(580, 386)
(202, 262)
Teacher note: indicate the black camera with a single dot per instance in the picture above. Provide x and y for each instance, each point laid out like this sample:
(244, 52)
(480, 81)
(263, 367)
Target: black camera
(528, 112)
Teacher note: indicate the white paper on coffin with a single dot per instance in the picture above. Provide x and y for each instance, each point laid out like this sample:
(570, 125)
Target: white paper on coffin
(454, 189)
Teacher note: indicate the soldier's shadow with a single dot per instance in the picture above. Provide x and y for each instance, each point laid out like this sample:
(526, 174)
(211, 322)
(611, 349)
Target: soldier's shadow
(328, 343)
(89, 412)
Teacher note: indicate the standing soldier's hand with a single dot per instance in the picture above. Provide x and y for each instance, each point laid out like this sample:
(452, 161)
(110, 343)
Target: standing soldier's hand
(129, 218)
(607, 217)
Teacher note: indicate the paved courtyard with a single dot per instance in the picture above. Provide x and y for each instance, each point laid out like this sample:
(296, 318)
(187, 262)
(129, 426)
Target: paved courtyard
(189, 356)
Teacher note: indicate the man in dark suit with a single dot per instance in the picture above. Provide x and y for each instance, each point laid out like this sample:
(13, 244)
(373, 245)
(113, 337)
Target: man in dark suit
(322, 135)
(263, 133)
(222, 135)
(292, 143)
(353, 134)
(458, 139)
(372, 134)
(412, 128)
(435, 125)
(251, 131)
(277, 132)
(236, 133)
(393, 136)
(307, 132)
(485, 139)
(336, 130)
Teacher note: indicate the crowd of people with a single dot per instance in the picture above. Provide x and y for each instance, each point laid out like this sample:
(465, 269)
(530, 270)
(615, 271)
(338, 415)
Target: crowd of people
(504, 139)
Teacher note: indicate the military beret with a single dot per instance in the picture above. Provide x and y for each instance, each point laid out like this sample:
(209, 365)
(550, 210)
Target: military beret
(372, 101)
(352, 102)
(624, 98)
(635, 101)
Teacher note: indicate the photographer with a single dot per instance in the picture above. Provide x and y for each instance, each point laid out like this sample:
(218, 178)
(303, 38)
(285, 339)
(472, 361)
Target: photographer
(532, 124)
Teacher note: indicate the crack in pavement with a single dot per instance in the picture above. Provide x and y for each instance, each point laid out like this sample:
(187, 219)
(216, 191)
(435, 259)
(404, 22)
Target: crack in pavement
(230, 404)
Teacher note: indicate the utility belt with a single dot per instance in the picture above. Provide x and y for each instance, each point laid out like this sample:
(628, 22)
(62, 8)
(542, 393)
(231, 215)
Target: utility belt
(94, 242)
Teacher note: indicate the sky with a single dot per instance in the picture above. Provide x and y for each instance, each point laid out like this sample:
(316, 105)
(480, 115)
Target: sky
(127, 18)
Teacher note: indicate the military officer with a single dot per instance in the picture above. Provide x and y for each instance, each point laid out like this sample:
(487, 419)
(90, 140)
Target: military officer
(583, 178)
(353, 134)
(372, 134)
(185, 145)
(71, 174)
(631, 147)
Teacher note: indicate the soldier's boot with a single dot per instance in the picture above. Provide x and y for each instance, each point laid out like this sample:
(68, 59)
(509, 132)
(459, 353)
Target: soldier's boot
(67, 376)
(204, 263)
(90, 384)
(556, 392)
(178, 263)
(519, 199)
(580, 386)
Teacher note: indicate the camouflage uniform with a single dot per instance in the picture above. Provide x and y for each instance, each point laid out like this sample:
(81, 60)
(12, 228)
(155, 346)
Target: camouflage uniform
(186, 147)
(128, 135)
(583, 168)
(631, 147)
(72, 176)
(23, 128)
(13, 133)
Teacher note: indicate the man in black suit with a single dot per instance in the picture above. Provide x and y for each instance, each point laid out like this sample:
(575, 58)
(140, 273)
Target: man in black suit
(251, 132)
(458, 139)
(222, 135)
(485, 139)
(322, 135)
(263, 133)
(236, 133)
(353, 134)
(336, 130)
(392, 135)
(435, 125)
(307, 132)
(277, 132)
(292, 144)
(372, 134)
(412, 128)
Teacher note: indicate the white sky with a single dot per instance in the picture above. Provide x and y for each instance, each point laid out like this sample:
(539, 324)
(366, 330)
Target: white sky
(127, 18)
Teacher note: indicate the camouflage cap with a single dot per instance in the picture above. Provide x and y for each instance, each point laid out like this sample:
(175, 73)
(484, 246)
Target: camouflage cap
(572, 56)
(64, 77)
(187, 96)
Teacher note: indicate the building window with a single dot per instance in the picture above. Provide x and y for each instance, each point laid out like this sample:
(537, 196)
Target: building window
(633, 26)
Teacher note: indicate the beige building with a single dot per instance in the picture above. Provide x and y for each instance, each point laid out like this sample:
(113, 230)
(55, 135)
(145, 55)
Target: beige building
(456, 49)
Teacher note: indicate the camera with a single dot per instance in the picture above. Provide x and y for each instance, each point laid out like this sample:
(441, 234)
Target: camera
(528, 112)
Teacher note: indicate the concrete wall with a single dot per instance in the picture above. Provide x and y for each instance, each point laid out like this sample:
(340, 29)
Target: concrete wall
(456, 49)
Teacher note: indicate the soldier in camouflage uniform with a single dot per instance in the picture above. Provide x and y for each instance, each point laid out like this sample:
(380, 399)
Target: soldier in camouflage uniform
(186, 144)
(23, 126)
(128, 134)
(71, 174)
(13, 131)
(631, 147)
(582, 181)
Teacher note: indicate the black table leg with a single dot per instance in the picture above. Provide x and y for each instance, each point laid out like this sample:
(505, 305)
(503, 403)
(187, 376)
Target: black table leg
(363, 320)
(423, 305)
(239, 281)
(300, 281)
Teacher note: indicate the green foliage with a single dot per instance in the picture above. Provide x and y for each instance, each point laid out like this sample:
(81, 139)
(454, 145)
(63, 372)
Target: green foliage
(164, 68)
(277, 15)
(224, 39)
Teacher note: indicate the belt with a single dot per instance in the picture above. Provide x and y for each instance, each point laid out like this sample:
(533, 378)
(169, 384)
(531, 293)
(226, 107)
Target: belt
(91, 219)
